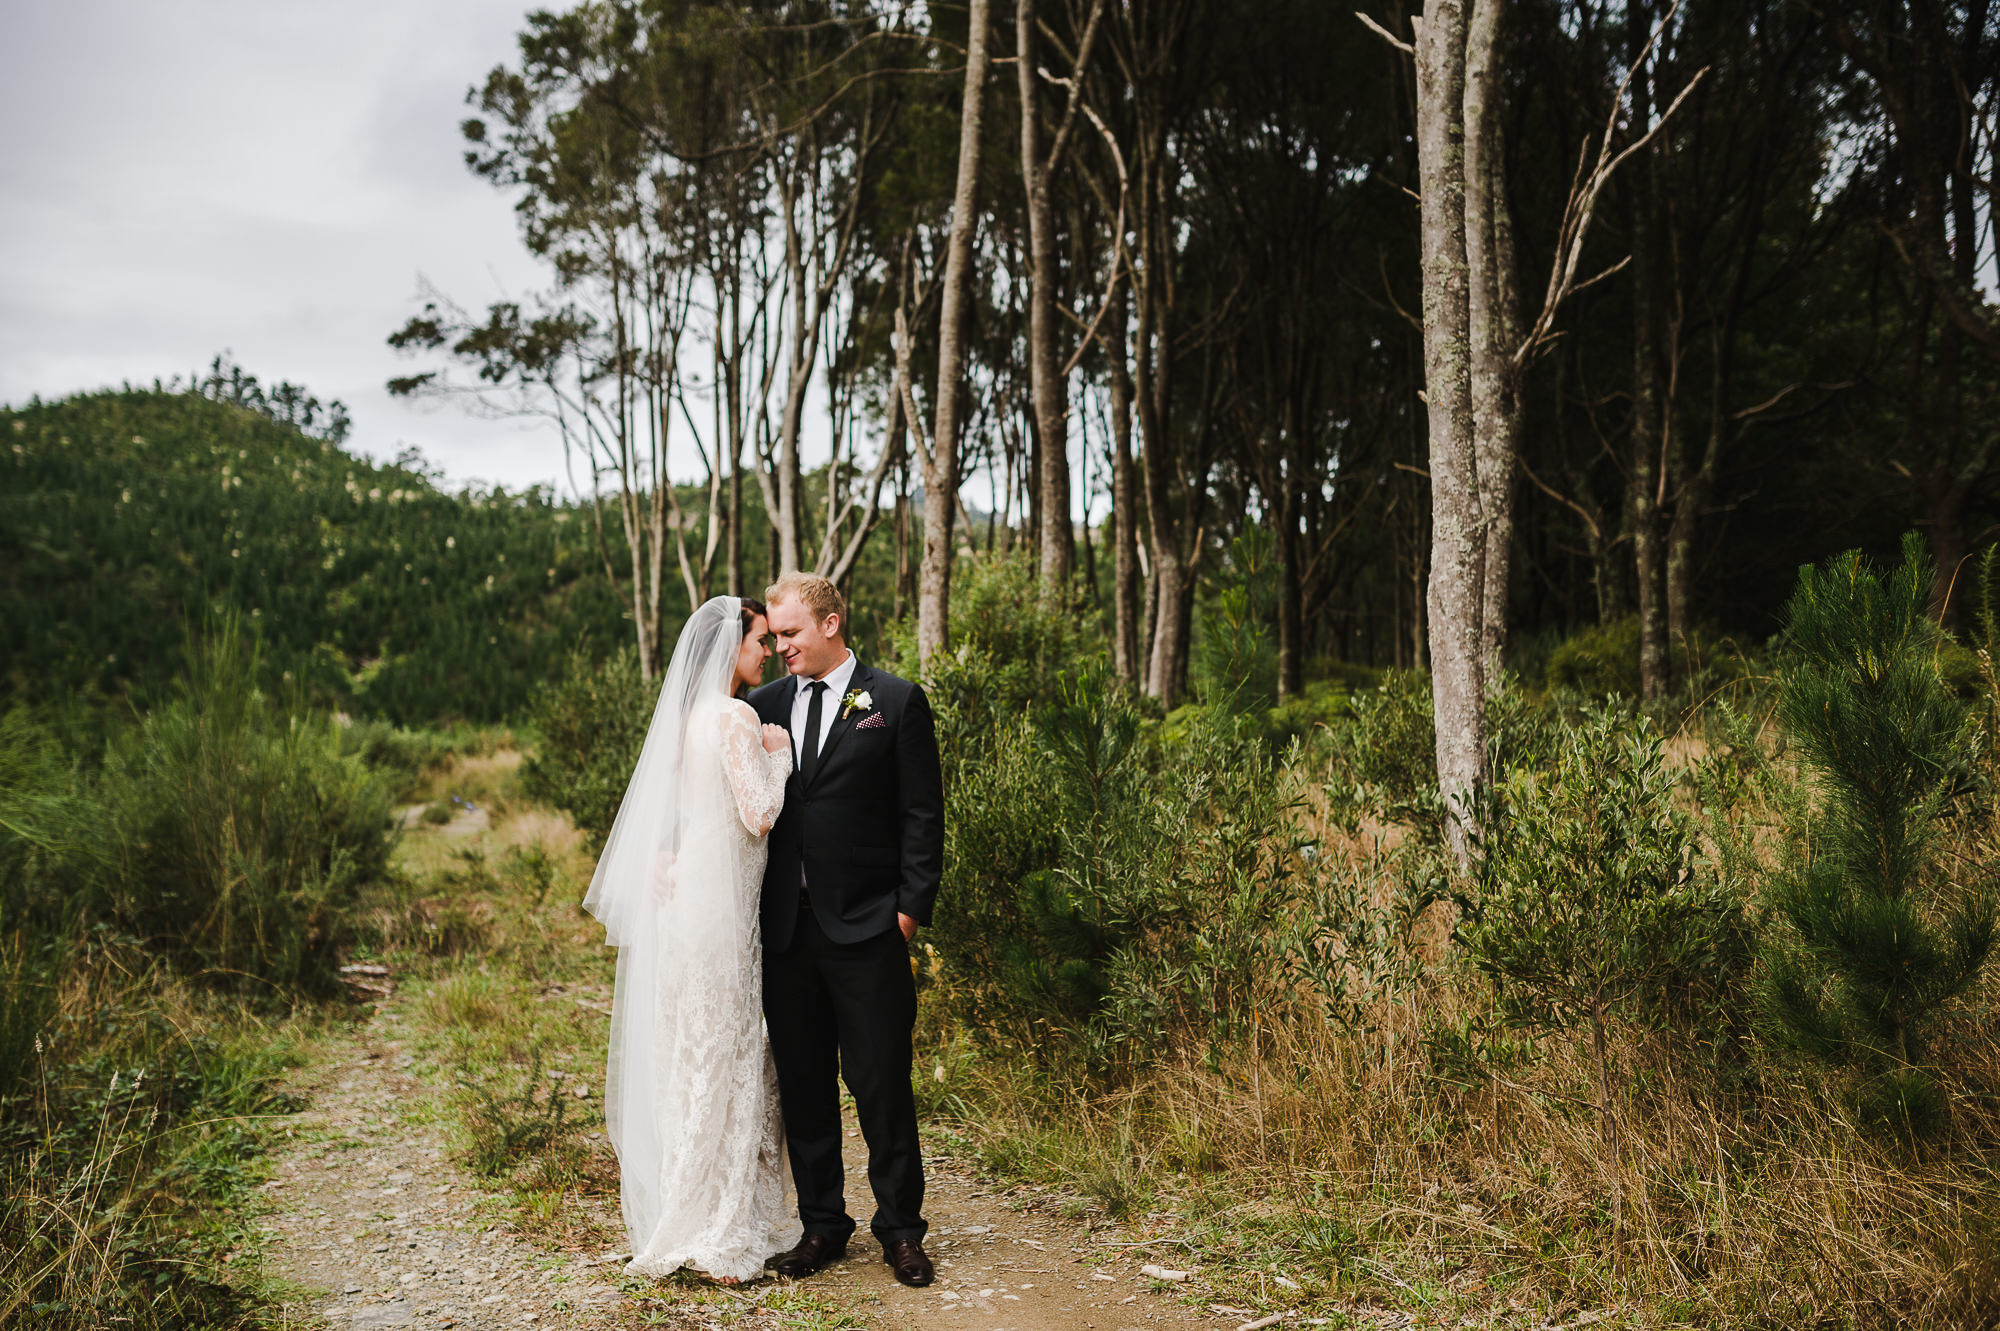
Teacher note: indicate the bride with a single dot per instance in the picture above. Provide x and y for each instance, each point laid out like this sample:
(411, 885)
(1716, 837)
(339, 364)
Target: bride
(691, 1100)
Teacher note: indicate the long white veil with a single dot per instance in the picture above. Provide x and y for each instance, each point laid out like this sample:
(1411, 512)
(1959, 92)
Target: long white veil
(650, 912)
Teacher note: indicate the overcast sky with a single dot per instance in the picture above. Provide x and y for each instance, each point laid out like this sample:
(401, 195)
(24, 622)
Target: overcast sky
(183, 177)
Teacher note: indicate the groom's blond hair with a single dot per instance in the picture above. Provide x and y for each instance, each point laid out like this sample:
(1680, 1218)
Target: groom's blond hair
(817, 594)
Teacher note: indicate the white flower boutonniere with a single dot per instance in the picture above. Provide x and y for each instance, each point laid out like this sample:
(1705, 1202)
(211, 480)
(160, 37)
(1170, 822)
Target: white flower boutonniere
(856, 700)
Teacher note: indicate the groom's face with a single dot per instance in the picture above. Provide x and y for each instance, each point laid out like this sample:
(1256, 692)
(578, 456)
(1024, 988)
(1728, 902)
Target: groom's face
(809, 647)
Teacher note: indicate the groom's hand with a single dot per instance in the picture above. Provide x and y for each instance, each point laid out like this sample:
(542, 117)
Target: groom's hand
(908, 923)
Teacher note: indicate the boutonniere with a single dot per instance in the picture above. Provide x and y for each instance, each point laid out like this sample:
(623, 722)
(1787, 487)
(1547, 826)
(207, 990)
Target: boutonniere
(856, 700)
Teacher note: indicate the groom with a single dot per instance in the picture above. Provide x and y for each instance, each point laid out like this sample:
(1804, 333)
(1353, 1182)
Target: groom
(854, 866)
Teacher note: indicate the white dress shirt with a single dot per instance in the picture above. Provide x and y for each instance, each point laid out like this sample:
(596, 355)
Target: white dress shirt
(829, 706)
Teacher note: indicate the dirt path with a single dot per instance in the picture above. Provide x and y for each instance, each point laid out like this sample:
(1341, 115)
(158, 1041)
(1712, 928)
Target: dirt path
(1006, 1262)
(373, 1222)
(377, 1226)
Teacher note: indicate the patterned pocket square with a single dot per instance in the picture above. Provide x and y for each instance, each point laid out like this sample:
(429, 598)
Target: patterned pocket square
(872, 721)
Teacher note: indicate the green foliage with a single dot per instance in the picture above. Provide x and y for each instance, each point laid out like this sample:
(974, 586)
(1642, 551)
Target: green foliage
(1109, 899)
(1321, 704)
(1603, 662)
(127, 516)
(1008, 650)
(1599, 662)
(1383, 758)
(128, 1126)
(1880, 930)
(231, 833)
(1235, 663)
(506, 1127)
(220, 830)
(592, 718)
(42, 821)
(406, 758)
(1592, 904)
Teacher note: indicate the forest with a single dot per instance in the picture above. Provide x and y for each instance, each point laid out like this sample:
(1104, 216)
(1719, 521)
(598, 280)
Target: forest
(1742, 324)
(1453, 547)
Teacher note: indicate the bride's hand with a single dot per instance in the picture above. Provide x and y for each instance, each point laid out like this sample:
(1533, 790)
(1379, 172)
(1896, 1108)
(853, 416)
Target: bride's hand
(776, 738)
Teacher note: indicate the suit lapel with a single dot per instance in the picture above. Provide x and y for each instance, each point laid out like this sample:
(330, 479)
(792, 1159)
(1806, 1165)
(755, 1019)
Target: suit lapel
(778, 711)
(841, 723)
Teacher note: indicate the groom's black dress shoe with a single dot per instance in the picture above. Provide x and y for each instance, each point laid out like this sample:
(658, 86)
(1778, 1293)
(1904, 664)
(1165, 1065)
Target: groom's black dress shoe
(814, 1251)
(906, 1258)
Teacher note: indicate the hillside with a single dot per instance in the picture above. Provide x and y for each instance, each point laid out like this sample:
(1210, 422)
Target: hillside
(128, 517)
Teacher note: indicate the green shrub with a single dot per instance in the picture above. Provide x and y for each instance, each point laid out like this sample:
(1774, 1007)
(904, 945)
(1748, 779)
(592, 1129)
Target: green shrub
(406, 757)
(1235, 660)
(1880, 931)
(1322, 704)
(1593, 902)
(224, 833)
(592, 719)
(1599, 662)
(233, 835)
(1603, 662)
(1007, 650)
(1593, 910)
(1383, 758)
(1109, 900)
(140, 1125)
(44, 826)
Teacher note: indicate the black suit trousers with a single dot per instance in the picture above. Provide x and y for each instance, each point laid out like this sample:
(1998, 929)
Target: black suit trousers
(845, 1011)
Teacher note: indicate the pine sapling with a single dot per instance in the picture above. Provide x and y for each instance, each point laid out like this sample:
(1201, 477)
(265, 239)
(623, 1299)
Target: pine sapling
(1877, 932)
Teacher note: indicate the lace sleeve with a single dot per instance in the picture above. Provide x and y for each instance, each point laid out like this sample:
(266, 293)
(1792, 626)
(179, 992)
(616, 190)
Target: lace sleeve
(756, 777)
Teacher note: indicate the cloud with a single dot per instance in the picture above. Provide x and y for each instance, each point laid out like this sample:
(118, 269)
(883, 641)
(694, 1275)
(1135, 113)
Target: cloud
(270, 178)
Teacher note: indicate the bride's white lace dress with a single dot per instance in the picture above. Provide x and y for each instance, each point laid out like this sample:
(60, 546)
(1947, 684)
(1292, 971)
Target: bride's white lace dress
(703, 1183)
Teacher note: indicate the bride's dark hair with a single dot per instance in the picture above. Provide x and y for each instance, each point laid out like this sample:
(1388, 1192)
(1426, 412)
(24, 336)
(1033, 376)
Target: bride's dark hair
(752, 610)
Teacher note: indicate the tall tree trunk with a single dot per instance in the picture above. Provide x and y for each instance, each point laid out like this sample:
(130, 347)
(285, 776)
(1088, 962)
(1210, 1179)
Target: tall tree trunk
(1690, 500)
(1457, 583)
(1125, 593)
(1153, 360)
(1045, 380)
(1649, 400)
(1285, 483)
(1167, 662)
(1494, 315)
(1291, 595)
(1648, 438)
(804, 348)
(941, 473)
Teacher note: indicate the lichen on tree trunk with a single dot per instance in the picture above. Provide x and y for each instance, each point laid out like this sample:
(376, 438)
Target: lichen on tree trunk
(1455, 599)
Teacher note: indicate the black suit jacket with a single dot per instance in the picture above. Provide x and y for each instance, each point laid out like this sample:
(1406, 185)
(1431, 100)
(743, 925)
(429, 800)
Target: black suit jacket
(868, 830)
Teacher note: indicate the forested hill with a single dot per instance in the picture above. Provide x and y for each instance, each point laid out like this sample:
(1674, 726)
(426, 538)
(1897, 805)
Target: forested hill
(129, 518)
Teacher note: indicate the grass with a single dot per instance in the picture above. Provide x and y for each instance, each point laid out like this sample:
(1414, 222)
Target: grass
(505, 991)
(1338, 1172)
(127, 1182)
(1417, 1158)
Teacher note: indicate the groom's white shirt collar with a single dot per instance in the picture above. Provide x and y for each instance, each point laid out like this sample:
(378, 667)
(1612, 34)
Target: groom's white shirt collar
(829, 708)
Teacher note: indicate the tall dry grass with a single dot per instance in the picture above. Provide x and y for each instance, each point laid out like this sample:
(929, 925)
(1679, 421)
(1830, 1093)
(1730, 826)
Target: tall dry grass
(1386, 1161)
(143, 1111)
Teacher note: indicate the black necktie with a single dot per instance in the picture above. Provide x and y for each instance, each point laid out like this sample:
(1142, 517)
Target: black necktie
(809, 745)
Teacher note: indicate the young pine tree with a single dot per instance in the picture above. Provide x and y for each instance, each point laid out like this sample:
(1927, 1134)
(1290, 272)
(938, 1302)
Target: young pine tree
(1879, 932)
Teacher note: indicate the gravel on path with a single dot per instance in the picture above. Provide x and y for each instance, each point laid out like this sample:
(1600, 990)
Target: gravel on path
(1006, 1261)
(372, 1218)
(377, 1226)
